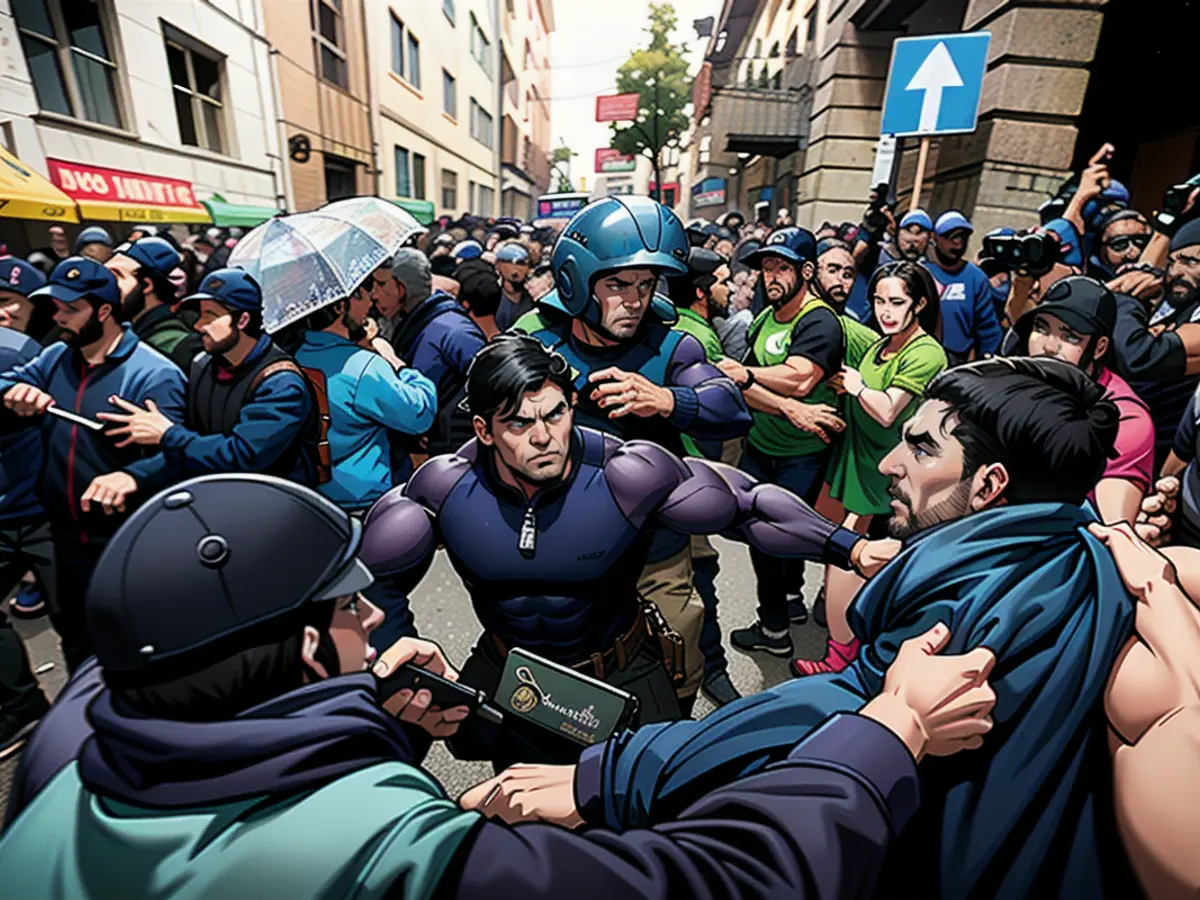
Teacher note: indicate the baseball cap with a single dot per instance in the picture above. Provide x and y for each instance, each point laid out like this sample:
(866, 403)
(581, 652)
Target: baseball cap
(466, 250)
(93, 235)
(512, 253)
(1188, 235)
(919, 217)
(153, 254)
(796, 245)
(1085, 304)
(952, 220)
(20, 277)
(233, 288)
(77, 277)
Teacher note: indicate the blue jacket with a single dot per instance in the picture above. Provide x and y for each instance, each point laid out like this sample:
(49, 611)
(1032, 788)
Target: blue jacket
(74, 455)
(443, 349)
(20, 442)
(367, 398)
(271, 422)
(968, 314)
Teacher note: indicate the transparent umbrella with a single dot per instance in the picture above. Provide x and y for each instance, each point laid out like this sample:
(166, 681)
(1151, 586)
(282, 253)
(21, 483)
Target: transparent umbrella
(309, 260)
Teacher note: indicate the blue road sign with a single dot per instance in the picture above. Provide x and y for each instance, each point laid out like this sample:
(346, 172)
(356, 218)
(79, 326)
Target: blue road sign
(934, 84)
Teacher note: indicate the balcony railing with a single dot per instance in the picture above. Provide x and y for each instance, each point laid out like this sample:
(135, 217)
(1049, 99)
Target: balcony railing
(766, 121)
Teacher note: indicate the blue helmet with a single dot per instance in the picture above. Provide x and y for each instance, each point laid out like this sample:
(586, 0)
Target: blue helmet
(616, 233)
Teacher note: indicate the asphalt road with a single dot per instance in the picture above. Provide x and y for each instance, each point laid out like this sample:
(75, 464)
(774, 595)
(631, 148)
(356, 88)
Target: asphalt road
(444, 614)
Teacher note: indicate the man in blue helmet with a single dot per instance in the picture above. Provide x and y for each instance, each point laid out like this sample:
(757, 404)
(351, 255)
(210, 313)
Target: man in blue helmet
(143, 270)
(636, 376)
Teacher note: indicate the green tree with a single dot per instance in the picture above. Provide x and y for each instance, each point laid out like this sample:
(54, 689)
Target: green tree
(560, 164)
(658, 75)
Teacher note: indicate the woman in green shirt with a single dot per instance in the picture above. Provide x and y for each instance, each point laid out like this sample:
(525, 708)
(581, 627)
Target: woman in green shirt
(881, 393)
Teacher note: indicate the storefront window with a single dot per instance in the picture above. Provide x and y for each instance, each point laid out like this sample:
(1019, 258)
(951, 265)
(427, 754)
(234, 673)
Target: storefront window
(339, 178)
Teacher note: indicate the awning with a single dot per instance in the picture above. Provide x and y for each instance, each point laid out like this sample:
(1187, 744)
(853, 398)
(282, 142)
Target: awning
(422, 210)
(113, 195)
(24, 194)
(229, 215)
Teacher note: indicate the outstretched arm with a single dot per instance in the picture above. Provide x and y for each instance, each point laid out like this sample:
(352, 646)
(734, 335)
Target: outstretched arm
(707, 402)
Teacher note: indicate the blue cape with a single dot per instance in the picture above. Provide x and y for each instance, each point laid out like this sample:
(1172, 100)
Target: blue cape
(1029, 815)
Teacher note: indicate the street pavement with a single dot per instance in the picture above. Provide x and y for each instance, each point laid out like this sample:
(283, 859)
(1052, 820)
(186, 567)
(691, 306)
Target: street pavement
(444, 614)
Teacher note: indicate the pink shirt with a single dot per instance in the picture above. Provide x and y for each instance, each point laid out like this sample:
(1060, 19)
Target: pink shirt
(1135, 435)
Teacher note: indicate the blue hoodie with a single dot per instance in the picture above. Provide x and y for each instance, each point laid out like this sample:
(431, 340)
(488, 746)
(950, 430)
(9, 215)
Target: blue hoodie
(20, 447)
(74, 455)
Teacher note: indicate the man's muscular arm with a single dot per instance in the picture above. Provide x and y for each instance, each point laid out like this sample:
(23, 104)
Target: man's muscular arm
(708, 404)
(1153, 707)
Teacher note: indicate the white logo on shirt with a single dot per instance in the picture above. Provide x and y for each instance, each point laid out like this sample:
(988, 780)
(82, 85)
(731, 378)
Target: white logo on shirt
(776, 343)
(955, 291)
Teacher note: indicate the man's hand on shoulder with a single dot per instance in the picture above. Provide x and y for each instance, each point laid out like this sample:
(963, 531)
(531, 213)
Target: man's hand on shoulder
(527, 793)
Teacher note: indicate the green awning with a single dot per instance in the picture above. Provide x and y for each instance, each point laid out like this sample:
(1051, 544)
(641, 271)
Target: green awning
(422, 210)
(228, 214)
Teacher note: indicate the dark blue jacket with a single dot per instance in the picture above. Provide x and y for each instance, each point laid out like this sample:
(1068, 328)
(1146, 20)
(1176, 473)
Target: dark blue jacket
(968, 314)
(20, 443)
(442, 349)
(74, 455)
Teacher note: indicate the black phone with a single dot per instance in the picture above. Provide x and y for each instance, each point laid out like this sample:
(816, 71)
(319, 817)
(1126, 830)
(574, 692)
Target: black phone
(445, 693)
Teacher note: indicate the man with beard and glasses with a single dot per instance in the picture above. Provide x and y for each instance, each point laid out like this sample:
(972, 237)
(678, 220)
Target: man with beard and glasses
(143, 272)
(796, 345)
(249, 407)
(371, 393)
(970, 326)
(989, 485)
(514, 264)
(550, 525)
(96, 359)
(637, 377)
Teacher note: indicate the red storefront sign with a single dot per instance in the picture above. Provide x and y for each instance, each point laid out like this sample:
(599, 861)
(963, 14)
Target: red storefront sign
(617, 108)
(610, 160)
(119, 196)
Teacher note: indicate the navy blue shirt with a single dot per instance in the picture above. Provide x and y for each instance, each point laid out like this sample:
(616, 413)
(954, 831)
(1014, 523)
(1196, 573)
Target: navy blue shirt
(20, 442)
(968, 315)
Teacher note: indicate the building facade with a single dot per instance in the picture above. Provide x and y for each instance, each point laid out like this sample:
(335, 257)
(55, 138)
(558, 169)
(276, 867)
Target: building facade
(320, 66)
(525, 98)
(435, 76)
(139, 110)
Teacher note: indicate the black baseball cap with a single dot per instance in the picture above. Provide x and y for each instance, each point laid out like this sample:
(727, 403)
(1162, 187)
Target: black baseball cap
(1085, 304)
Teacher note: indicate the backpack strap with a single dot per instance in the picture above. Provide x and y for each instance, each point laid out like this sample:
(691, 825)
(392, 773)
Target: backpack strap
(314, 379)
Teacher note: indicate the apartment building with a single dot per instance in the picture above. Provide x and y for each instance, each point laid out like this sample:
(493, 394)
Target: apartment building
(525, 100)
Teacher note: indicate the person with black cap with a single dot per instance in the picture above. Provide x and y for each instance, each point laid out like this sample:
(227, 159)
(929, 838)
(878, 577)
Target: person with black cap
(97, 359)
(143, 271)
(249, 406)
(95, 243)
(796, 345)
(1074, 323)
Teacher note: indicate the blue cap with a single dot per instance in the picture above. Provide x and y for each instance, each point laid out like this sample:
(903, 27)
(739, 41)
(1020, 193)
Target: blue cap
(952, 220)
(917, 217)
(796, 245)
(233, 288)
(19, 277)
(154, 254)
(93, 235)
(466, 250)
(512, 253)
(78, 276)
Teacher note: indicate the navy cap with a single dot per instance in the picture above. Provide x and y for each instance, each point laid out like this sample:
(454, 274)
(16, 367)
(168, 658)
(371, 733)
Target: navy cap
(796, 245)
(93, 235)
(20, 277)
(234, 288)
(154, 254)
(466, 250)
(78, 276)
(952, 220)
(917, 217)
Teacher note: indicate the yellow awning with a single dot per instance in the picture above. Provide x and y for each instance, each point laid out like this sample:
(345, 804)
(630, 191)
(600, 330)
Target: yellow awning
(24, 194)
(136, 212)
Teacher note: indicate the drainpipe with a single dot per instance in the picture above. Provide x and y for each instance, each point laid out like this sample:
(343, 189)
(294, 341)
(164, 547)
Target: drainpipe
(498, 196)
(289, 199)
(371, 111)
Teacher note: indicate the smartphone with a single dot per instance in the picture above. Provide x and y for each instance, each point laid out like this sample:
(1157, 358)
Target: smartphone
(446, 693)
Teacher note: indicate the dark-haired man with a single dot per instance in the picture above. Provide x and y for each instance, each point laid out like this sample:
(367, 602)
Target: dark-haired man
(249, 407)
(98, 358)
(513, 263)
(988, 486)
(549, 527)
(143, 271)
(969, 321)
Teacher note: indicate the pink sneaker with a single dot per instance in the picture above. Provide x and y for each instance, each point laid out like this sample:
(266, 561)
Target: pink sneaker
(837, 657)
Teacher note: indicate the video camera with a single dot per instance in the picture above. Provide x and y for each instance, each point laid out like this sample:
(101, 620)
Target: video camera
(1168, 219)
(876, 220)
(1025, 252)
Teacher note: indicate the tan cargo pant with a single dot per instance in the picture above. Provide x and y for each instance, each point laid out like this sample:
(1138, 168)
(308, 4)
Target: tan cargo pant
(668, 585)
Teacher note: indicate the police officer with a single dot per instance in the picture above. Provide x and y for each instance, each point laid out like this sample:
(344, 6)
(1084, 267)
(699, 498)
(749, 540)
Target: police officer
(636, 376)
(229, 719)
(143, 269)
(249, 405)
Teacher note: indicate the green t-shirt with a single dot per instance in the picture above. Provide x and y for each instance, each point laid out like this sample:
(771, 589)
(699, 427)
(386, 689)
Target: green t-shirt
(693, 323)
(859, 339)
(855, 478)
(815, 334)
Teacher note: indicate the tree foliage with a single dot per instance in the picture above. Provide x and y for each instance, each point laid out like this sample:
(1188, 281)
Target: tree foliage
(560, 165)
(658, 75)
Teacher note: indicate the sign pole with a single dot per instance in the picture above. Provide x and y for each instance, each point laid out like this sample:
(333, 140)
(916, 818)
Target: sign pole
(919, 177)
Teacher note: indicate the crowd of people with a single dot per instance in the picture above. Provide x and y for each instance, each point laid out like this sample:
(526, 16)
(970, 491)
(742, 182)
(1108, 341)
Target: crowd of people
(982, 455)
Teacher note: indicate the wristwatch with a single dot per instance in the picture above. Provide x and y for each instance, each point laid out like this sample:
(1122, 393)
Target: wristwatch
(748, 383)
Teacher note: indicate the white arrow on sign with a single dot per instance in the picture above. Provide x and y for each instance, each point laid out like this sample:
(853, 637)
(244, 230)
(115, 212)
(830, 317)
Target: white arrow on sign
(934, 75)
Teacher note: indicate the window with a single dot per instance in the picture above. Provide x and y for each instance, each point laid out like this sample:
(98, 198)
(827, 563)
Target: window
(449, 95)
(449, 189)
(403, 178)
(774, 50)
(487, 197)
(705, 149)
(329, 40)
(481, 124)
(418, 176)
(414, 61)
(66, 48)
(196, 80)
(397, 46)
(811, 34)
(339, 178)
(481, 47)
(448, 9)
(757, 47)
(793, 44)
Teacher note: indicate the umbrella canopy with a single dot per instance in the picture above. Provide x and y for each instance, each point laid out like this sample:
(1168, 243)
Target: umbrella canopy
(310, 260)
(24, 194)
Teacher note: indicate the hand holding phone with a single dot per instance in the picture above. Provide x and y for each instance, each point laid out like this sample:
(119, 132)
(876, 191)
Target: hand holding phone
(444, 693)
